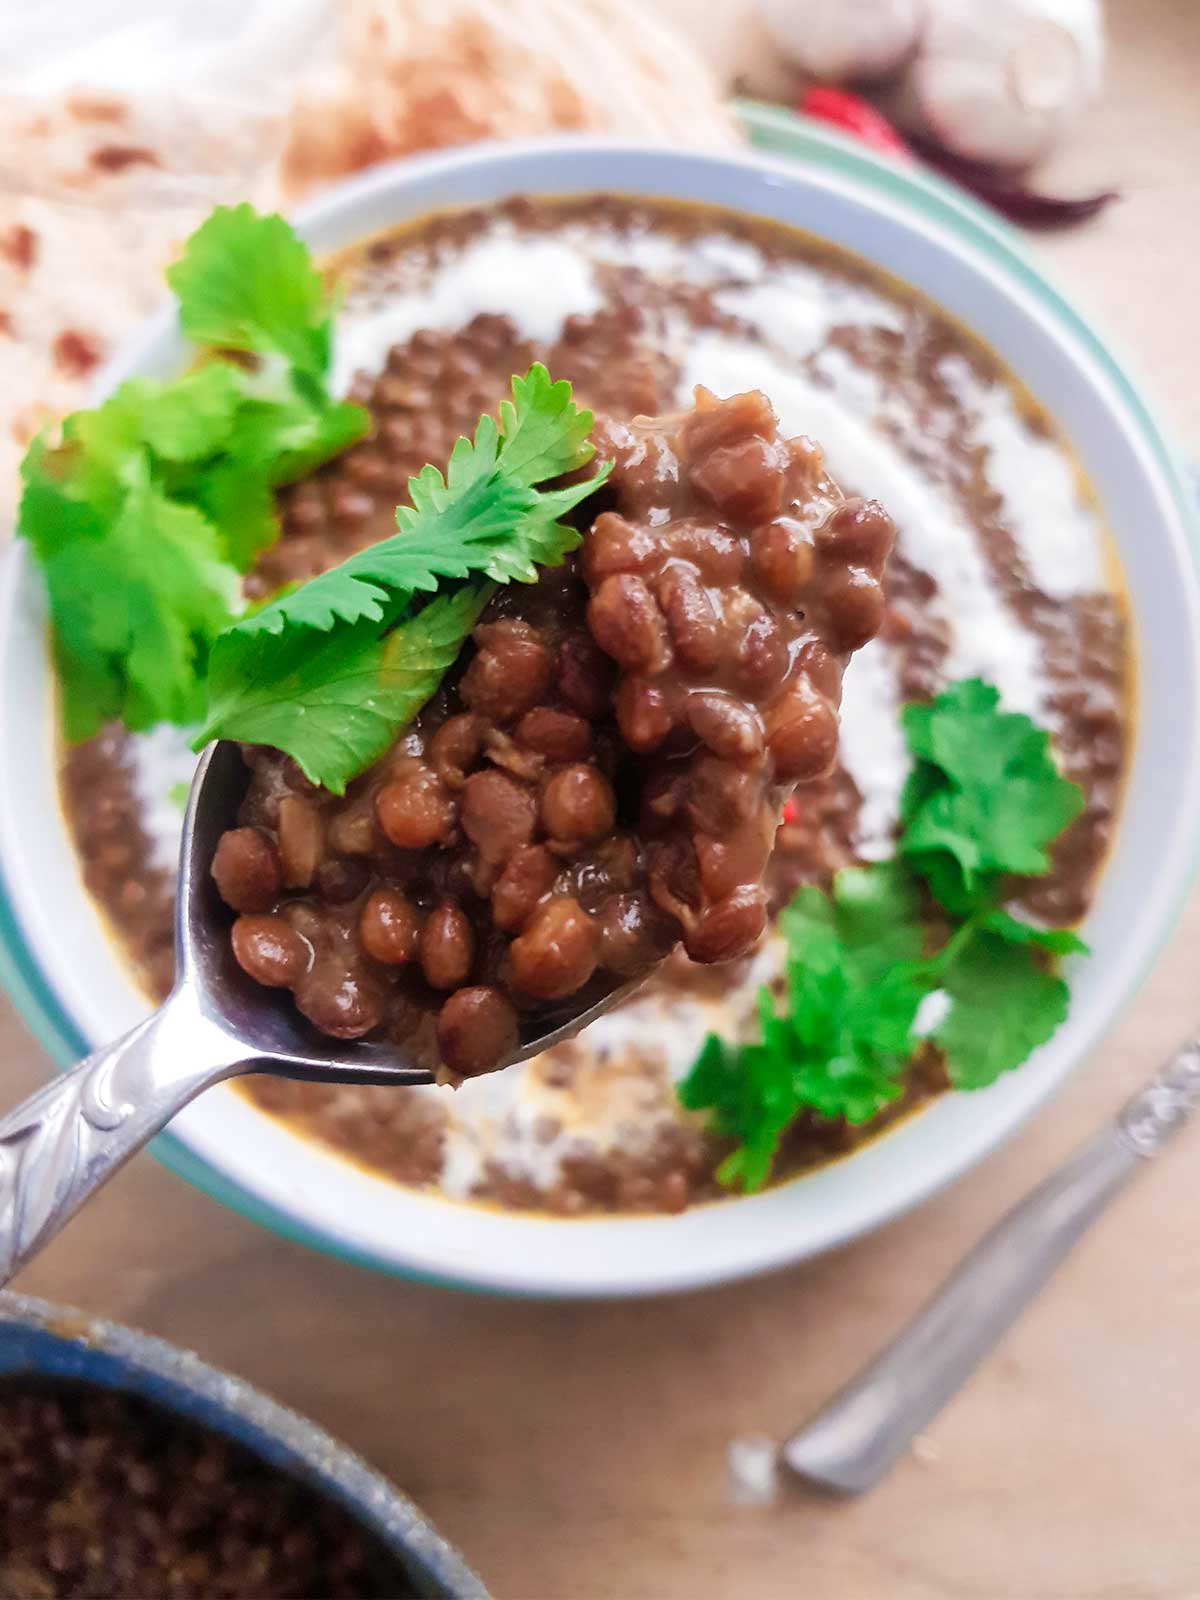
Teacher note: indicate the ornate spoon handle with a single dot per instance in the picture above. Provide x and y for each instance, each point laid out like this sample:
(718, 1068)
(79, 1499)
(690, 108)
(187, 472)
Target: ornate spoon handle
(853, 1441)
(72, 1134)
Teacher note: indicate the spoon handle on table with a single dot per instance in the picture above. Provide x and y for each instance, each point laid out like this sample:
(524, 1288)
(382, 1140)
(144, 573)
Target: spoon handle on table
(73, 1133)
(853, 1441)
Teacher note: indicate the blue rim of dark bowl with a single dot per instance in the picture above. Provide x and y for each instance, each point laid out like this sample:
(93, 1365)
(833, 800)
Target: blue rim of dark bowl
(39, 1339)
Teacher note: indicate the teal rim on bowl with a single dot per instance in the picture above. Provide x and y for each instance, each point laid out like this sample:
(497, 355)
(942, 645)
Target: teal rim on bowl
(923, 203)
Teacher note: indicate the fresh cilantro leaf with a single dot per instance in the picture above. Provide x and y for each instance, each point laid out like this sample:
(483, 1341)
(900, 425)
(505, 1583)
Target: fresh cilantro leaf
(165, 489)
(183, 421)
(871, 911)
(840, 1040)
(247, 282)
(190, 419)
(854, 983)
(982, 803)
(240, 505)
(273, 442)
(751, 1100)
(285, 430)
(54, 507)
(943, 877)
(486, 518)
(985, 791)
(136, 605)
(331, 428)
(544, 433)
(854, 1038)
(1003, 1004)
(1055, 941)
(355, 686)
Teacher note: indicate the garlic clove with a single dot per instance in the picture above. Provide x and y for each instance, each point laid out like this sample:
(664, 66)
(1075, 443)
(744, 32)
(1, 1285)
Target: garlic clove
(1003, 82)
(845, 40)
(1044, 67)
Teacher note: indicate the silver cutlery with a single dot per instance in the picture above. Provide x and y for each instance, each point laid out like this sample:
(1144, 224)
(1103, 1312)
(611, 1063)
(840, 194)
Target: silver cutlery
(857, 1437)
(71, 1135)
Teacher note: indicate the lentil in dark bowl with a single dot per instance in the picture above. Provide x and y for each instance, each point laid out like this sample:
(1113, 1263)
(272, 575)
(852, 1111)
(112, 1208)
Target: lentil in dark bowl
(128, 1468)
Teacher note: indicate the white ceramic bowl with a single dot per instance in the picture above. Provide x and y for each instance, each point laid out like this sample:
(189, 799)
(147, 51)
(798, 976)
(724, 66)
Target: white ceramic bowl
(70, 986)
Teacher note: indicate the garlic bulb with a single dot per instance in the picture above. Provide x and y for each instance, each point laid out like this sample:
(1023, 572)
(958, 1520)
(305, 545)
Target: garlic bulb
(1002, 81)
(844, 39)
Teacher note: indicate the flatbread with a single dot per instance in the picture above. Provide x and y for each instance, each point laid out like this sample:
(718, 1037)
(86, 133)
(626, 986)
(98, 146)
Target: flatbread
(100, 184)
(429, 73)
(96, 192)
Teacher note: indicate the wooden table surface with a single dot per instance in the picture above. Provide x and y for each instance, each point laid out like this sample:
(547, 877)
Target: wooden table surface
(576, 1451)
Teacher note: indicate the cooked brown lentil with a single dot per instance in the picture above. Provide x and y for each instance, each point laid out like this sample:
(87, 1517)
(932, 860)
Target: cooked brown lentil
(522, 839)
(105, 1496)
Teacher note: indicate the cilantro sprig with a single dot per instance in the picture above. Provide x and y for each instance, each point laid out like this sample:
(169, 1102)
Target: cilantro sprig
(842, 1036)
(981, 807)
(984, 798)
(332, 670)
(246, 282)
(151, 505)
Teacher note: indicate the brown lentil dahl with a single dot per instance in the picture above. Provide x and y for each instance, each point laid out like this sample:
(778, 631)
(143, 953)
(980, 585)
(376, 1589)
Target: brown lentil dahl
(432, 387)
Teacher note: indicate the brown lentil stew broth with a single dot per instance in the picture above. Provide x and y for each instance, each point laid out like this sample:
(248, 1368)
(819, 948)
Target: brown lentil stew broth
(605, 776)
(671, 289)
(105, 1494)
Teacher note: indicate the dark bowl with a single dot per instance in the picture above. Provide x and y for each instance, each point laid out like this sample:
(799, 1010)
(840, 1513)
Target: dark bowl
(44, 1341)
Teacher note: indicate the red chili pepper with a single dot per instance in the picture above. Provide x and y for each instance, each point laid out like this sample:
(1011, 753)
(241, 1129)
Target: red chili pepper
(853, 114)
(1008, 194)
(791, 811)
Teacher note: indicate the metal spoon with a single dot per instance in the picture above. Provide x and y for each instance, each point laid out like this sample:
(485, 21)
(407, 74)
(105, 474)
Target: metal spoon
(856, 1438)
(71, 1136)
